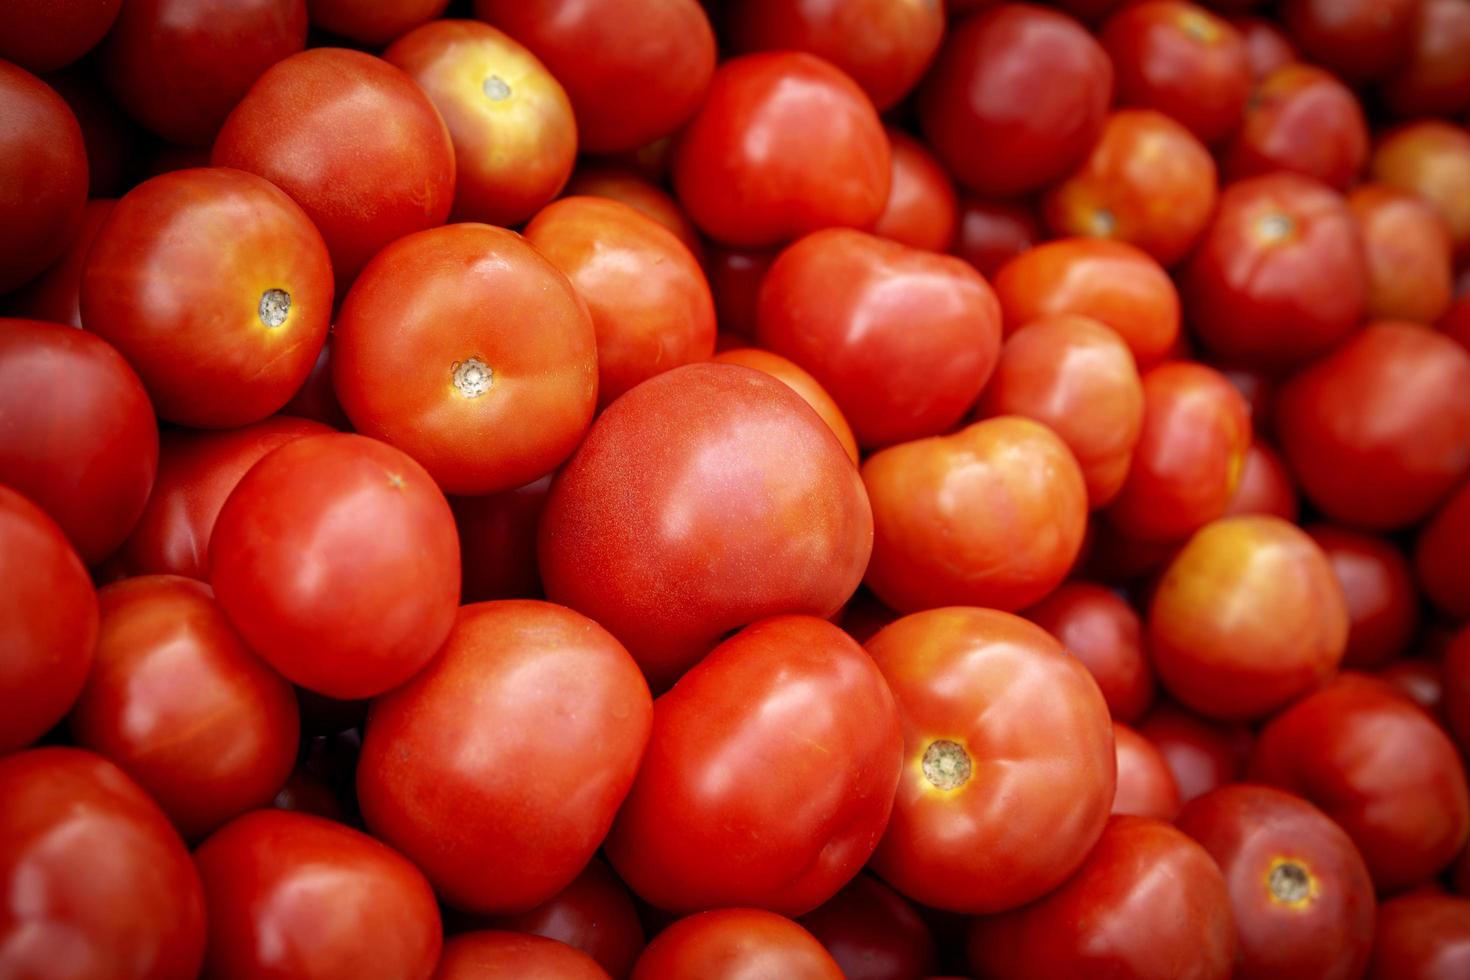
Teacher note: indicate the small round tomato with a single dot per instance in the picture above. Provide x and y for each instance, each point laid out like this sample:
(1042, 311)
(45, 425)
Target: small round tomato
(1303, 120)
(1439, 555)
(1201, 754)
(1360, 40)
(1435, 80)
(372, 22)
(1302, 897)
(1410, 274)
(56, 295)
(44, 35)
(1015, 98)
(497, 542)
(799, 381)
(921, 208)
(1146, 786)
(735, 943)
(1265, 486)
(337, 560)
(1383, 608)
(991, 233)
(1423, 936)
(1008, 768)
(1114, 916)
(470, 351)
(622, 183)
(490, 953)
(872, 933)
(295, 895)
(594, 914)
(1267, 46)
(1431, 159)
(1390, 402)
(1101, 630)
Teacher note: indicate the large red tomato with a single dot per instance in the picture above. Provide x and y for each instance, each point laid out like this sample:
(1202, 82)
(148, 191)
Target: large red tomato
(489, 953)
(1099, 628)
(1435, 80)
(595, 914)
(44, 35)
(922, 207)
(1146, 786)
(1425, 936)
(1439, 555)
(735, 943)
(56, 295)
(791, 374)
(1383, 607)
(1410, 254)
(1361, 40)
(1300, 119)
(873, 933)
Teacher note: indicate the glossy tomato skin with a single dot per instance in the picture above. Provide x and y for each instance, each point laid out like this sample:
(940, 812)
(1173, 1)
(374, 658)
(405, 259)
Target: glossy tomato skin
(317, 125)
(50, 613)
(626, 184)
(1267, 45)
(1146, 786)
(873, 933)
(974, 687)
(56, 294)
(1431, 158)
(1410, 254)
(1100, 629)
(1391, 402)
(457, 771)
(1439, 555)
(295, 895)
(787, 724)
(992, 232)
(1091, 925)
(594, 914)
(903, 339)
(1426, 936)
(497, 542)
(1201, 754)
(1266, 485)
(491, 953)
(373, 22)
(741, 166)
(921, 206)
(1360, 40)
(799, 381)
(44, 35)
(1380, 767)
(80, 439)
(1302, 897)
(758, 481)
(992, 515)
(1015, 98)
(336, 558)
(470, 351)
(1378, 585)
(1303, 120)
(120, 899)
(1435, 80)
(735, 942)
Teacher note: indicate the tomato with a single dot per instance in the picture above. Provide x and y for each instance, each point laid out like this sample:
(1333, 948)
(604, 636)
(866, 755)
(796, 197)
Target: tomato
(921, 207)
(1431, 159)
(1360, 40)
(295, 895)
(98, 882)
(1422, 936)
(497, 542)
(1380, 767)
(741, 165)
(304, 792)
(992, 515)
(769, 774)
(1455, 674)
(991, 233)
(1436, 78)
(1383, 608)
(55, 295)
(373, 22)
(109, 136)
(656, 538)
(594, 914)
(1146, 786)
(1015, 98)
(1114, 917)
(642, 195)
(1201, 754)
(1303, 120)
(634, 70)
(1409, 254)
(872, 933)
(1301, 895)
(1455, 324)
(510, 121)
(354, 141)
(735, 943)
(467, 349)
(474, 955)
(735, 280)
(1078, 377)
(1420, 680)
(1392, 402)
(799, 381)
(44, 35)
(1101, 630)
(336, 558)
(1008, 768)
(1265, 485)
(1439, 555)
(1267, 46)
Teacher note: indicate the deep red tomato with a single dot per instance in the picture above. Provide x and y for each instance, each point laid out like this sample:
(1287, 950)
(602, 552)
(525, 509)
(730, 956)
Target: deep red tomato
(1426, 937)
(1360, 40)
(1267, 46)
(1302, 897)
(470, 351)
(1383, 608)
(1410, 254)
(872, 933)
(1390, 402)
(44, 35)
(111, 139)
(1201, 754)
(1303, 120)
(1419, 679)
(1436, 78)
(1113, 918)
(1008, 768)
(1439, 555)
(1431, 159)
(1015, 98)
(991, 233)
(799, 381)
(735, 280)
(295, 895)
(306, 792)
(921, 209)
(497, 542)
(1455, 675)
(369, 163)
(1265, 486)
(372, 22)
(1100, 629)
(1146, 786)
(55, 295)
(336, 558)
(594, 914)
(735, 943)
(99, 884)
(489, 953)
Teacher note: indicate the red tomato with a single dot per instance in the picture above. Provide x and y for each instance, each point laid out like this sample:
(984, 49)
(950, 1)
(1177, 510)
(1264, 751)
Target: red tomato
(1439, 555)
(99, 884)
(337, 560)
(872, 933)
(1455, 673)
(1455, 324)
(1146, 786)
(467, 349)
(735, 280)
(55, 295)
(799, 381)
(903, 339)
(369, 163)
(1410, 254)
(1265, 485)
(1201, 754)
(1383, 608)
(683, 487)
(594, 914)
(1301, 895)
(497, 542)
(1303, 120)
(1436, 78)
(1431, 158)
(991, 233)
(295, 895)
(44, 35)
(921, 208)
(477, 955)
(1266, 45)
(1008, 769)
(110, 137)
(373, 22)
(735, 943)
(1114, 917)
(305, 792)
(1015, 98)
(1426, 937)
(1360, 40)
(1101, 630)
(639, 193)
(1420, 680)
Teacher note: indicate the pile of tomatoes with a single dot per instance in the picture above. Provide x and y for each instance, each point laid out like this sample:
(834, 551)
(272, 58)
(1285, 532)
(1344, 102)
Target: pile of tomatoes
(751, 490)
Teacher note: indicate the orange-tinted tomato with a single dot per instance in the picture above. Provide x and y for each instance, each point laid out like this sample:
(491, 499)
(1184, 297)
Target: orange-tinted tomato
(1409, 254)
(799, 381)
(490, 953)
(1303, 120)
(921, 208)
(1431, 159)
(1100, 629)
(1383, 608)
(1146, 787)
(735, 943)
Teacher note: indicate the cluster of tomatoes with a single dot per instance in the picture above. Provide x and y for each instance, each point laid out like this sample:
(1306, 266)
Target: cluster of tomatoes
(761, 489)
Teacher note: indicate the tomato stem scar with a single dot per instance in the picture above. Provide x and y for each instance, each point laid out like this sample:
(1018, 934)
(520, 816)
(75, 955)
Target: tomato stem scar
(496, 88)
(946, 764)
(472, 377)
(275, 304)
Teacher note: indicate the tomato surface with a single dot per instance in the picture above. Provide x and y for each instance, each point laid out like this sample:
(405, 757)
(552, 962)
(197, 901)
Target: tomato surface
(799, 381)
(44, 35)
(1421, 935)
(490, 953)
(922, 206)
(1435, 79)
(1410, 254)
(1439, 555)
(1300, 119)
(1201, 754)
(1099, 628)
(56, 295)
(594, 914)
(1360, 40)
(372, 22)
(1266, 485)
(992, 232)
(1146, 786)
(1378, 585)
(735, 943)
(873, 933)
(1430, 158)
(497, 542)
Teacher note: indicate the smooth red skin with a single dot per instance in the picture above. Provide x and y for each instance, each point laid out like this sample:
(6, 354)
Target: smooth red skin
(1184, 61)
(922, 208)
(1436, 78)
(1267, 46)
(1424, 936)
(100, 884)
(373, 22)
(292, 895)
(1015, 98)
(1201, 754)
(741, 165)
(772, 517)
(44, 35)
(1431, 158)
(1455, 323)
(634, 70)
(873, 933)
(735, 276)
(1360, 40)
(1379, 766)
(1303, 120)
(594, 914)
(1094, 925)
(80, 439)
(1100, 629)
(43, 176)
(1410, 254)
(1455, 696)
(457, 770)
(1146, 786)
(110, 137)
(305, 792)
(1265, 487)
(337, 559)
(316, 399)
(1248, 830)
(431, 301)
(497, 542)
(992, 515)
(490, 953)
(991, 233)
(650, 303)
(1439, 555)
(1275, 302)
(769, 775)
(50, 612)
(55, 295)
(735, 943)
(180, 66)
(799, 381)
(181, 705)
(1113, 282)
(903, 339)
(1419, 679)
(354, 141)
(1390, 402)
(1037, 731)
(623, 183)
(1078, 377)
(1382, 604)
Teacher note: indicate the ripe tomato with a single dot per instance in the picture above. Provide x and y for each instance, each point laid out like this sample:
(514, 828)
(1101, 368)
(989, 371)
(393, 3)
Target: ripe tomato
(1455, 674)
(373, 22)
(1100, 629)
(872, 933)
(56, 295)
(497, 542)
(991, 233)
(1267, 46)
(1435, 80)
(1431, 158)
(1201, 754)
(799, 381)
(625, 184)
(1421, 935)
(1265, 486)
(594, 914)
(735, 280)
(1420, 680)
(489, 953)
(1008, 768)
(735, 943)
(921, 208)
(44, 35)
(1146, 786)
(1409, 254)
(1300, 119)
(1383, 608)
(1439, 555)
(1360, 40)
